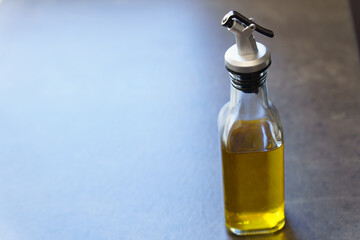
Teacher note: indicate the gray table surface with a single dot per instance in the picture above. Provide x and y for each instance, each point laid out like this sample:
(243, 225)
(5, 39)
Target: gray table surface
(108, 117)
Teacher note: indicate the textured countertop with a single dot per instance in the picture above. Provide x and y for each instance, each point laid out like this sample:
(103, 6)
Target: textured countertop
(108, 118)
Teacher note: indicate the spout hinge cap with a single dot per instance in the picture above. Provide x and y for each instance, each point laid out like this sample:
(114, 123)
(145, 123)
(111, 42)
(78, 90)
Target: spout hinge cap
(247, 63)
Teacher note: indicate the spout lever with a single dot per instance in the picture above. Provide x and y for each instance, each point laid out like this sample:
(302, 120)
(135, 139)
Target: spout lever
(228, 21)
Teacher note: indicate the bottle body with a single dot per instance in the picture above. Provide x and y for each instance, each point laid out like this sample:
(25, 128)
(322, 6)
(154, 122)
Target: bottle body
(252, 161)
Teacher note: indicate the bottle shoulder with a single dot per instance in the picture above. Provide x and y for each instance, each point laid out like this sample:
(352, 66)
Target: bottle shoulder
(269, 112)
(224, 112)
(260, 131)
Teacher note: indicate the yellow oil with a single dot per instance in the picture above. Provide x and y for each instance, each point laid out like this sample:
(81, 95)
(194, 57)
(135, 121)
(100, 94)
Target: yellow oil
(253, 179)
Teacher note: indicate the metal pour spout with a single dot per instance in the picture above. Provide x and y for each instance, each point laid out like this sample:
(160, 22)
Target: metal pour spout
(245, 42)
(247, 55)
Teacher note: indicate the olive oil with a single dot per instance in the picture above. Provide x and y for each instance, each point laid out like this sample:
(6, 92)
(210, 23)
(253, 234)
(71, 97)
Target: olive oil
(253, 180)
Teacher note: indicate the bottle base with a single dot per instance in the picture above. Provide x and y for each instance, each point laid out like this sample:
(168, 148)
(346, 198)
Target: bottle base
(240, 232)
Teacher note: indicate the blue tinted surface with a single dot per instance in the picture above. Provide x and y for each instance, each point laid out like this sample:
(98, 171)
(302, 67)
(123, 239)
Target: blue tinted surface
(93, 125)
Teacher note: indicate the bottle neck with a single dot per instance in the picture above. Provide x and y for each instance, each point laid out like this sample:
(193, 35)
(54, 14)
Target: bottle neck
(249, 94)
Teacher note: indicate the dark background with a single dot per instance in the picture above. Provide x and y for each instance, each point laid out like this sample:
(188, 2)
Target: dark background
(355, 7)
(108, 117)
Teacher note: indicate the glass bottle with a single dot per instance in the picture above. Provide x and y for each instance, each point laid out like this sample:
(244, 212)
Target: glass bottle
(251, 138)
